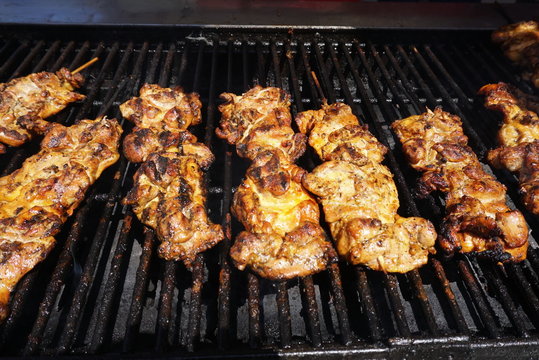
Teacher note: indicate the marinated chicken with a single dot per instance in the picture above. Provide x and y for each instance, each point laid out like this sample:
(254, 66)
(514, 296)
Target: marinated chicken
(38, 198)
(169, 193)
(283, 237)
(259, 120)
(518, 138)
(520, 43)
(358, 195)
(34, 97)
(169, 196)
(477, 216)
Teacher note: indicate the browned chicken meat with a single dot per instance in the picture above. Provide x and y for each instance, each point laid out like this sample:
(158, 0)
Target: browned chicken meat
(259, 120)
(520, 43)
(169, 193)
(358, 195)
(33, 97)
(283, 237)
(518, 138)
(38, 198)
(169, 196)
(477, 216)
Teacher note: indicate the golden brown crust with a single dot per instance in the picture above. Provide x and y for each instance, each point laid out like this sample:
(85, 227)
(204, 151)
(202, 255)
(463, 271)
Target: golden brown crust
(169, 196)
(477, 216)
(358, 195)
(283, 238)
(34, 97)
(259, 120)
(38, 198)
(518, 137)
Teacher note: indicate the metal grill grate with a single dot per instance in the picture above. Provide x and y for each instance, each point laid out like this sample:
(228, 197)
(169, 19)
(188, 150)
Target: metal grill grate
(104, 290)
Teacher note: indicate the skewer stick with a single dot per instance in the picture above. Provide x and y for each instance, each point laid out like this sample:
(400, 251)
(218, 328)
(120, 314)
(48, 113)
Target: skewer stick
(319, 88)
(84, 66)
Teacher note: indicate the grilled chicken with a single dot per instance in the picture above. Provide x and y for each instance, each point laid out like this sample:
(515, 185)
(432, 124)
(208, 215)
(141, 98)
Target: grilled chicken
(518, 138)
(34, 97)
(282, 238)
(477, 216)
(520, 43)
(358, 195)
(259, 120)
(169, 196)
(169, 193)
(38, 198)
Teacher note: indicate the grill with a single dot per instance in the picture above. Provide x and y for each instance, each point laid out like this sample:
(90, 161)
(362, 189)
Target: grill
(103, 290)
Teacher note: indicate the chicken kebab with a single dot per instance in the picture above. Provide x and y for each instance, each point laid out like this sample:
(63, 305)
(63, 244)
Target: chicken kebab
(283, 237)
(38, 198)
(31, 98)
(358, 195)
(477, 217)
(169, 194)
(518, 138)
(520, 43)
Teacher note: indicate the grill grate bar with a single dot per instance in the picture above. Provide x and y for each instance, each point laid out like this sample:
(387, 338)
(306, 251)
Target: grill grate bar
(48, 54)
(35, 50)
(14, 56)
(62, 58)
(116, 274)
(225, 277)
(516, 274)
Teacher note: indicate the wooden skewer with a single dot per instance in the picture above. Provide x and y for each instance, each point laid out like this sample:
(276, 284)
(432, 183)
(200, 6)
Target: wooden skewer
(84, 66)
(324, 100)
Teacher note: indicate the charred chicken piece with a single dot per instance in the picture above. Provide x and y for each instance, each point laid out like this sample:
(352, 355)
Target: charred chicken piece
(259, 120)
(169, 196)
(520, 43)
(283, 237)
(477, 216)
(33, 97)
(38, 198)
(518, 138)
(163, 109)
(169, 192)
(358, 195)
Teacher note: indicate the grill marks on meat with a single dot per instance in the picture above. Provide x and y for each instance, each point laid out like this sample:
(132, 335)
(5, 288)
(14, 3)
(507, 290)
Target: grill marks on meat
(520, 43)
(477, 216)
(358, 195)
(518, 138)
(283, 237)
(34, 97)
(169, 194)
(38, 198)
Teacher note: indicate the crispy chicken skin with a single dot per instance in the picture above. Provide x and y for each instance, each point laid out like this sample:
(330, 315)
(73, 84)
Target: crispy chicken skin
(283, 237)
(518, 138)
(169, 192)
(477, 216)
(358, 195)
(169, 196)
(259, 120)
(38, 198)
(520, 43)
(33, 97)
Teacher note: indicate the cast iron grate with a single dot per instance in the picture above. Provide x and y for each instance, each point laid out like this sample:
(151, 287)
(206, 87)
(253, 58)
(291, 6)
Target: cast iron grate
(103, 290)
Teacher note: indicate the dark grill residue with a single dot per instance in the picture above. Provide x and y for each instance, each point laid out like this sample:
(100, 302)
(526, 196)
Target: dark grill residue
(103, 290)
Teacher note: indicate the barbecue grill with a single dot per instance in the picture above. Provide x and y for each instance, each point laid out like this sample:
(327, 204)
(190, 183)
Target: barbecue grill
(104, 291)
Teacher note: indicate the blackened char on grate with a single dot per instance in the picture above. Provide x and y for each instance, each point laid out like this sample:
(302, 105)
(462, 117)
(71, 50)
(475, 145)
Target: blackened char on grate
(103, 290)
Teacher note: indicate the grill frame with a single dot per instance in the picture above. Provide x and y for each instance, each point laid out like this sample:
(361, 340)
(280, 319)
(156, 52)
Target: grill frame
(388, 69)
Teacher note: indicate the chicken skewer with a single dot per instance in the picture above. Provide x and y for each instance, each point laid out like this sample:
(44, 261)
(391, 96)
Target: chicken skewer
(477, 216)
(518, 138)
(520, 43)
(358, 195)
(38, 198)
(283, 237)
(35, 97)
(169, 193)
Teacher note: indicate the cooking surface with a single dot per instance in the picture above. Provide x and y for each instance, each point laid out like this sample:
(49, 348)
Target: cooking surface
(104, 290)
